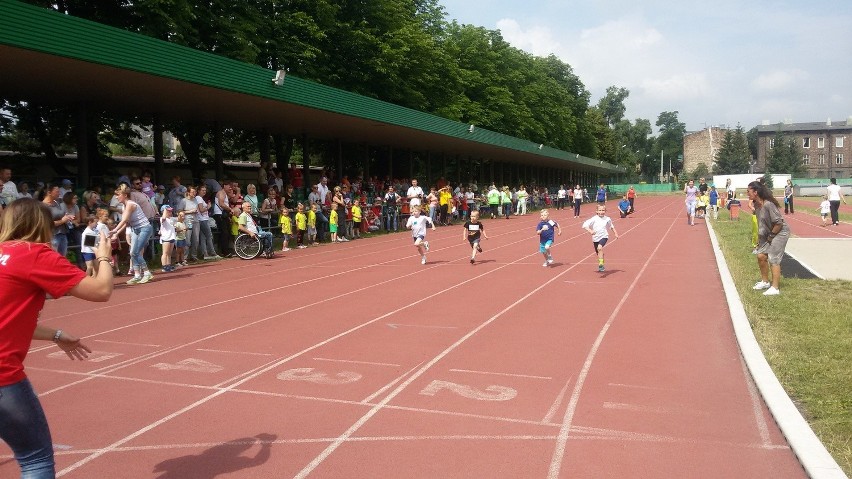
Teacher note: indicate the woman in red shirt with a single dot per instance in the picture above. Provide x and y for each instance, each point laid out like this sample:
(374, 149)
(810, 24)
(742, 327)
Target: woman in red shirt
(29, 270)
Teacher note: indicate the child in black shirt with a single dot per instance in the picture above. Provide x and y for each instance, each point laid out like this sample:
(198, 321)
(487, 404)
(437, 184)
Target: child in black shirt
(473, 229)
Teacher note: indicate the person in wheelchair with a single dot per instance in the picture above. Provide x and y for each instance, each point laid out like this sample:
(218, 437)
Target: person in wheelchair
(248, 226)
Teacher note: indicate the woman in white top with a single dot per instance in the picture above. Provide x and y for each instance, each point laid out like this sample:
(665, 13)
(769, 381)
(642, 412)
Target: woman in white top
(578, 200)
(251, 198)
(141, 231)
(205, 234)
(691, 200)
(835, 196)
(190, 218)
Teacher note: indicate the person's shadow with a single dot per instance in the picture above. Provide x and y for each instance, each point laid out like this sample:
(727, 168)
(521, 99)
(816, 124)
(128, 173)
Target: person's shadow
(222, 459)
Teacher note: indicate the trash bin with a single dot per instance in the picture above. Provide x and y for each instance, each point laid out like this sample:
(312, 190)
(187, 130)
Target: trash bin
(735, 212)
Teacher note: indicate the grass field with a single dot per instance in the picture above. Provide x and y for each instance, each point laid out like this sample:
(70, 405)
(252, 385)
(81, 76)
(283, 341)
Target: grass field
(805, 334)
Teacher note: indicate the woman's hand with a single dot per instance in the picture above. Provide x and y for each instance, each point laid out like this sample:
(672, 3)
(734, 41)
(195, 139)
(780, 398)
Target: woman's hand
(73, 347)
(104, 248)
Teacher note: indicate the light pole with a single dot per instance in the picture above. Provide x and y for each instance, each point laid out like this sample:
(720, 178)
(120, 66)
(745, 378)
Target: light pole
(662, 154)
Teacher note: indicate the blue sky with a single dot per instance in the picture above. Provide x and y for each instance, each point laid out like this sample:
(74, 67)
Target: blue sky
(718, 62)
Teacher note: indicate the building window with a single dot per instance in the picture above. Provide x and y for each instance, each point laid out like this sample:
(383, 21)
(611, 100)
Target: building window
(806, 160)
(821, 159)
(820, 142)
(838, 159)
(771, 143)
(838, 142)
(806, 142)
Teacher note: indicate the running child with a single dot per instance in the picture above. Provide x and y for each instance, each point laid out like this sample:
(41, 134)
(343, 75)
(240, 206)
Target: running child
(597, 225)
(417, 224)
(473, 229)
(286, 227)
(545, 231)
(825, 209)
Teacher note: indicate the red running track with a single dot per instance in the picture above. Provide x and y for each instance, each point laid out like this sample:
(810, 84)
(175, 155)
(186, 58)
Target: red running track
(354, 360)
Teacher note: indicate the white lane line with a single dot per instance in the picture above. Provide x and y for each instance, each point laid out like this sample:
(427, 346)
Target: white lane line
(127, 344)
(396, 380)
(248, 353)
(372, 412)
(511, 375)
(638, 386)
(556, 403)
(270, 367)
(756, 406)
(655, 409)
(565, 430)
(356, 362)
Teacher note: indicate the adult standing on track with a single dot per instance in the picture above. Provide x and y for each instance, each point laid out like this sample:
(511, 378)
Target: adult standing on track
(631, 197)
(788, 197)
(560, 197)
(578, 200)
(141, 231)
(691, 200)
(772, 235)
(29, 270)
(835, 196)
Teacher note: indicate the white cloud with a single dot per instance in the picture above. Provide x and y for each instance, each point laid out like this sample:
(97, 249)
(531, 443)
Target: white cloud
(536, 40)
(688, 86)
(778, 80)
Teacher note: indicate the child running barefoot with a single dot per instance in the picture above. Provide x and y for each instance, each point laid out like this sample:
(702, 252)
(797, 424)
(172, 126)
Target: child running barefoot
(824, 209)
(417, 224)
(597, 225)
(472, 231)
(545, 231)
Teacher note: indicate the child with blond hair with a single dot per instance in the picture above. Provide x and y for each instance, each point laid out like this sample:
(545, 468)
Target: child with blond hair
(286, 227)
(301, 226)
(357, 217)
(167, 237)
(312, 225)
(598, 227)
(180, 239)
(333, 220)
(824, 209)
(417, 224)
(545, 230)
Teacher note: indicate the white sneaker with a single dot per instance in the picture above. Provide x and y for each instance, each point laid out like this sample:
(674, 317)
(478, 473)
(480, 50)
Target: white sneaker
(426, 245)
(772, 291)
(423, 259)
(545, 264)
(550, 260)
(134, 280)
(762, 285)
(210, 258)
(146, 277)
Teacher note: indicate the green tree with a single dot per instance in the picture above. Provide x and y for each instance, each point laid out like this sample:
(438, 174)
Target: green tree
(612, 105)
(733, 156)
(670, 139)
(785, 156)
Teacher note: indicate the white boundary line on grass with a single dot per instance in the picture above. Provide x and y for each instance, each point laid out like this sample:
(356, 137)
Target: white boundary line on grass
(810, 451)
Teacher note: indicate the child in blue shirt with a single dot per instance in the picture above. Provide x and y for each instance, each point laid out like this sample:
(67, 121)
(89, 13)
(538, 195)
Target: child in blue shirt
(545, 231)
(714, 202)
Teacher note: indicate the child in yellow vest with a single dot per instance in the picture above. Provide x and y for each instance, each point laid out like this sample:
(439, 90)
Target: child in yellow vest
(312, 225)
(286, 227)
(301, 226)
(332, 223)
(357, 218)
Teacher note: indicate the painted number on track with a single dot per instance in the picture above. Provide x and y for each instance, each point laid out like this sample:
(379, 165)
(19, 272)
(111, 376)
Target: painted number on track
(312, 376)
(491, 393)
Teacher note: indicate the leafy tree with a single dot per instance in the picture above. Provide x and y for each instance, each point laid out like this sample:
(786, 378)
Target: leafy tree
(604, 139)
(612, 104)
(733, 157)
(670, 140)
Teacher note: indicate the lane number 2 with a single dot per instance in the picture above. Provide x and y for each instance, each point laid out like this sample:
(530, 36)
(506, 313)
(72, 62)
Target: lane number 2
(491, 393)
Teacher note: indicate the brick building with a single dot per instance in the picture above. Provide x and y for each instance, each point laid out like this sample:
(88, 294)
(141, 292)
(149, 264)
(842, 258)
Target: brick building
(826, 146)
(701, 147)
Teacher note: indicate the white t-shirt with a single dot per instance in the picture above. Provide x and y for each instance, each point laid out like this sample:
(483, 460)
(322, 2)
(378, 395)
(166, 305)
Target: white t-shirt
(561, 193)
(202, 216)
(833, 192)
(167, 229)
(578, 194)
(418, 225)
(416, 192)
(246, 220)
(825, 207)
(9, 192)
(99, 227)
(600, 226)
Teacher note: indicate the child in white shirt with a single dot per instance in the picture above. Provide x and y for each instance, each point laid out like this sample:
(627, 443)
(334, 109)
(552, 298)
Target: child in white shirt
(597, 225)
(167, 237)
(824, 209)
(417, 224)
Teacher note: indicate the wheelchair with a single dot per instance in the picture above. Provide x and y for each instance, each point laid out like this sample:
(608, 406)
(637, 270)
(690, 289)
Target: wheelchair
(247, 247)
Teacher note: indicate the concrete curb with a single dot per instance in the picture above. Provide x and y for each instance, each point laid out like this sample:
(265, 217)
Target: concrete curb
(810, 451)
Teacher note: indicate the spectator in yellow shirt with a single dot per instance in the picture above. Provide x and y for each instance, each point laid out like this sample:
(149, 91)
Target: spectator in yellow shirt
(286, 227)
(301, 226)
(357, 218)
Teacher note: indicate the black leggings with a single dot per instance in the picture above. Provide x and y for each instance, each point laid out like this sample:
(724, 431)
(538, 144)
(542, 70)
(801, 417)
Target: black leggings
(835, 211)
(577, 207)
(788, 205)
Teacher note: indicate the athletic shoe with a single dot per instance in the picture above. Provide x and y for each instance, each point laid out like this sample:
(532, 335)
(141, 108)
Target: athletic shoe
(761, 285)
(472, 261)
(426, 245)
(545, 264)
(301, 246)
(771, 292)
(601, 268)
(184, 263)
(134, 280)
(423, 259)
(211, 258)
(478, 248)
(550, 260)
(146, 277)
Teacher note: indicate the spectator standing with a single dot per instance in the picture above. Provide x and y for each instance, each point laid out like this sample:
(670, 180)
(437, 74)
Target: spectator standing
(788, 197)
(772, 235)
(391, 204)
(222, 216)
(414, 194)
(494, 201)
(189, 208)
(176, 194)
(506, 202)
(835, 196)
(67, 186)
(561, 193)
(252, 199)
(578, 200)
(8, 189)
(205, 233)
(269, 209)
(30, 272)
(61, 218)
(141, 231)
(702, 186)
